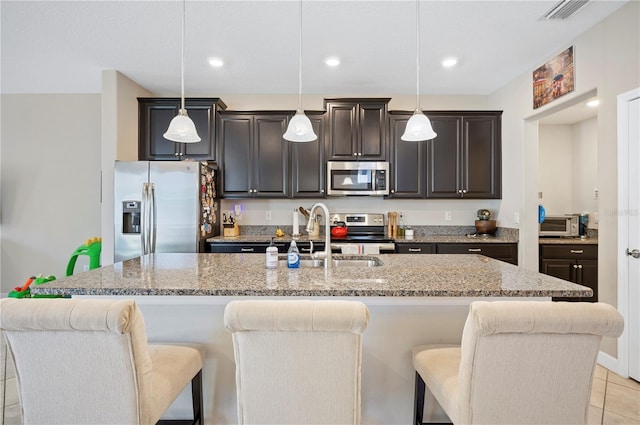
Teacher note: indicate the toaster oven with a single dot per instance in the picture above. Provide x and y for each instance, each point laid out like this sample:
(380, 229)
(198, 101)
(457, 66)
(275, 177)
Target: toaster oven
(560, 226)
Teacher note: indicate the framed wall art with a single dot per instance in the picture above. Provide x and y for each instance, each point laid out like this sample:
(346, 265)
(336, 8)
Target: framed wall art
(554, 79)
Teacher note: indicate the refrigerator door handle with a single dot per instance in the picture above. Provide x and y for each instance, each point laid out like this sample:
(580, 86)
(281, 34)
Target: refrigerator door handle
(153, 216)
(144, 220)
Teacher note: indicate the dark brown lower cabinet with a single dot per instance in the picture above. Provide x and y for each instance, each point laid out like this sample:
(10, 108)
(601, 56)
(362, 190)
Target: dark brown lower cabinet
(507, 252)
(260, 247)
(575, 263)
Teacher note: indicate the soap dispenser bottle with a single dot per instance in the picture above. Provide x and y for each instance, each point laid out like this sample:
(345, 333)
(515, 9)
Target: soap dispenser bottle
(293, 256)
(272, 256)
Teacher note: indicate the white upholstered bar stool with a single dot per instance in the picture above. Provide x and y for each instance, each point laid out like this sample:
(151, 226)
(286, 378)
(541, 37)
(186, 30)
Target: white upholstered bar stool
(520, 362)
(297, 362)
(88, 362)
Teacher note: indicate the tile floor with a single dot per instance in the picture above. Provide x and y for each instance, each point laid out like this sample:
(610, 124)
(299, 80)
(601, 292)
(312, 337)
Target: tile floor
(614, 400)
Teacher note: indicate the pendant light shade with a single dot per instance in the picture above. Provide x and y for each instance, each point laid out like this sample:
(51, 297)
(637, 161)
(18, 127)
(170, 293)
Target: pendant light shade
(181, 128)
(418, 127)
(300, 128)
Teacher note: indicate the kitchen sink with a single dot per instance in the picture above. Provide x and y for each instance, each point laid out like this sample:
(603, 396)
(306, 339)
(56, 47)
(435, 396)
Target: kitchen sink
(338, 261)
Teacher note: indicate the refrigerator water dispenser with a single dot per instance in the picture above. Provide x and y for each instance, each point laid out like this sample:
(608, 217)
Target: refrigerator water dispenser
(131, 217)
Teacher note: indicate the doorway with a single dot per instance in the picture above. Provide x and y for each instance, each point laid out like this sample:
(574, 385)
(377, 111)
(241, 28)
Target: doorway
(629, 231)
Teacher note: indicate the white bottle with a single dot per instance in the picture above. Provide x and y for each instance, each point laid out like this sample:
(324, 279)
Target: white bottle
(296, 225)
(293, 256)
(272, 256)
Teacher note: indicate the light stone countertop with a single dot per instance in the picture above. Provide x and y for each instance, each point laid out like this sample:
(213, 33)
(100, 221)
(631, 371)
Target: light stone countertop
(401, 275)
(568, 241)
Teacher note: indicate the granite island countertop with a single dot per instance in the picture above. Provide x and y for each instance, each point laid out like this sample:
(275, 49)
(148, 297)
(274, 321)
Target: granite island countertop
(400, 275)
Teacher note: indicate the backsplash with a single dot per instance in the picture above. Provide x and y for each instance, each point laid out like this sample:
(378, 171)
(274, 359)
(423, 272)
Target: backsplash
(502, 232)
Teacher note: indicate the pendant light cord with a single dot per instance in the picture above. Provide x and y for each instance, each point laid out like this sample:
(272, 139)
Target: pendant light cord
(300, 58)
(182, 65)
(418, 54)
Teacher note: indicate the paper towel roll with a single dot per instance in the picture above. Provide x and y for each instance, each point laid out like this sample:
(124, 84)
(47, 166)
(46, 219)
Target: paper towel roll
(296, 225)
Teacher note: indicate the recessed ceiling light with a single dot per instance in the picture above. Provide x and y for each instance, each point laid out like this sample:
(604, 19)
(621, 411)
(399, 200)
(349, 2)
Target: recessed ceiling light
(216, 62)
(332, 61)
(593, 103)
(449, 62)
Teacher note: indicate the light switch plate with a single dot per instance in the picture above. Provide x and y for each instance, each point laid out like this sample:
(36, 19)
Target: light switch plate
(447, 215)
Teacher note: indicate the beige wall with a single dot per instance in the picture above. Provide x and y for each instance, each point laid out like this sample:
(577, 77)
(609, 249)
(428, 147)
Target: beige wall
(607, 60)
(119, 141)
(50, 182)
(568, 168)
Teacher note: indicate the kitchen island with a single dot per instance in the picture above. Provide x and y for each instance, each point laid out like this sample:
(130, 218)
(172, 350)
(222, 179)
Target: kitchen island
(413, 300)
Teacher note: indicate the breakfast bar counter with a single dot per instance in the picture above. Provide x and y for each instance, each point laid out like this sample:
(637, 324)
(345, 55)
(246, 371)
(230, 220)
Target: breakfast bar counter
(395, 275)
(412, 299)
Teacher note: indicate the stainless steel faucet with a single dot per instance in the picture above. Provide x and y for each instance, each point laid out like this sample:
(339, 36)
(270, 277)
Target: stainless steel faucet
(326, 254)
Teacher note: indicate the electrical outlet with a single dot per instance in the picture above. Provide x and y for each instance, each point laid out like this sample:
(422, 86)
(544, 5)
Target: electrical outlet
(516, 217)
(595, 193)
(447, 215)
(267, 215)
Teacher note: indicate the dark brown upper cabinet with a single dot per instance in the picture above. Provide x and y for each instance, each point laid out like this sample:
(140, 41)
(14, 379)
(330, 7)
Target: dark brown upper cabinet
(308, 169)
(154, 116)
(357, 129)
(254, 158)
(408, 160)
(465, 159)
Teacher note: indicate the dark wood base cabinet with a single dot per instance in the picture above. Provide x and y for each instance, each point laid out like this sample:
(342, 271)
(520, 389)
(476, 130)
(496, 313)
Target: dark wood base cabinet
(260, 247)
(575, 263)
(507, 252)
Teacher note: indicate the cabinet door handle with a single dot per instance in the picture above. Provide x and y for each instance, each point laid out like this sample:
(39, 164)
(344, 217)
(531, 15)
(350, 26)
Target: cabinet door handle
(415, 249)
(575, 266)
(459, 190)
(577, 251)
(464, 190)
(393, 191)
(580, 266)
(244, 249)
(475, 249)
(321, 190)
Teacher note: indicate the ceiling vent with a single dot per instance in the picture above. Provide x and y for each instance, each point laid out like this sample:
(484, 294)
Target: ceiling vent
(564, 8)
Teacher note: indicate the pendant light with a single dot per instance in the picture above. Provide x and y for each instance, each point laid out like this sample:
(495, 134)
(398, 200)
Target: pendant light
(181, 128)
(300, 128)
(418, 127)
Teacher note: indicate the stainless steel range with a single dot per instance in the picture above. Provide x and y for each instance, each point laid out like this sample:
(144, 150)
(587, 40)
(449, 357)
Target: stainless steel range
(365, 234)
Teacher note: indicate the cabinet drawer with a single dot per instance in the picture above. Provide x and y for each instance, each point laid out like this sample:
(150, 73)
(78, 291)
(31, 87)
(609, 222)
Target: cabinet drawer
(416, 248)
(245, 248)
(507, 252)
(585, 252)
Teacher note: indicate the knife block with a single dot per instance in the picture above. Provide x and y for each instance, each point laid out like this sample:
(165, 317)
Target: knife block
(231, 229)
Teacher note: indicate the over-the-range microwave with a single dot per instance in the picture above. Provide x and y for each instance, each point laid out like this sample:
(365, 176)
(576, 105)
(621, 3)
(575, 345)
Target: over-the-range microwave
(560, 226)
(357, 178)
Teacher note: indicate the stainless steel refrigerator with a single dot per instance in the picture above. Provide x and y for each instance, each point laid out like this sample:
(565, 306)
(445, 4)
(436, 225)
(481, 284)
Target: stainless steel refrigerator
(164, 206)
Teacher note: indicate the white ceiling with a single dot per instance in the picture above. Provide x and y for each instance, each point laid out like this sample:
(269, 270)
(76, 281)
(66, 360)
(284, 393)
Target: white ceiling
(62, 46)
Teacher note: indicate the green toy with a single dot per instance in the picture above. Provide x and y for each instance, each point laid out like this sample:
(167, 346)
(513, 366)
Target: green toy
(25, 292)
(92, 248)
